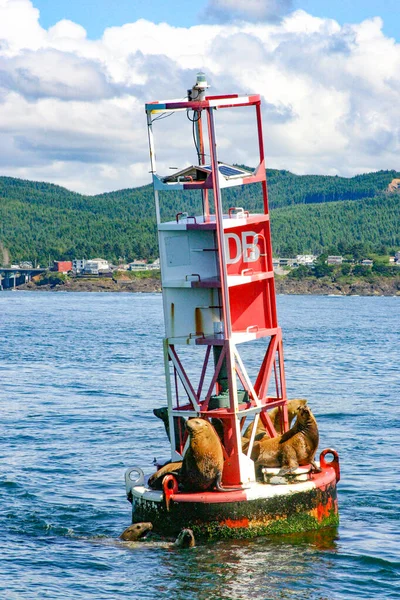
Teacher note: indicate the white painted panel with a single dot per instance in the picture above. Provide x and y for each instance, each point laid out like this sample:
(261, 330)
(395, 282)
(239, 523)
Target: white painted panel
(187, 311)
(184, 252)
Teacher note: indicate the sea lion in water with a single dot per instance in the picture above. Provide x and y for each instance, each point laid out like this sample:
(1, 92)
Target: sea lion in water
(202, 465)
(294, 448)
(274, 414)
(185, 539)
(138, 531)
(135, 532)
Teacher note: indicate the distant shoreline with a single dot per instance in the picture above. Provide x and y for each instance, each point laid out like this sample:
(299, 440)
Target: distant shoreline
(380, 286)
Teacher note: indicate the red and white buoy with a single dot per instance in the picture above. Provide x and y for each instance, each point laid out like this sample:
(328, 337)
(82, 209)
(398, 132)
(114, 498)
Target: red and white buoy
(218, 294)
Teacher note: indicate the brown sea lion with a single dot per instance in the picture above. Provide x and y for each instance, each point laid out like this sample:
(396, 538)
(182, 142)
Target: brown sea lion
(171, 468)
(275, 416)
(136, 532)
(185, 539)
(294, 448)
(202, 465)
(204, 460)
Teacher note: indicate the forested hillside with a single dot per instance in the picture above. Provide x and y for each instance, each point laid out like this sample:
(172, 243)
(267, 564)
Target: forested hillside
(312, 213)
(337, 226)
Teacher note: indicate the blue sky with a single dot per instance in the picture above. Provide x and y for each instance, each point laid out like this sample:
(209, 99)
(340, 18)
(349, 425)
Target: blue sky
(96, 15)
(74, 77)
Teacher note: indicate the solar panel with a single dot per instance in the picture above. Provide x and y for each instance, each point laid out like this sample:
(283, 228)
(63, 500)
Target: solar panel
(229, 171)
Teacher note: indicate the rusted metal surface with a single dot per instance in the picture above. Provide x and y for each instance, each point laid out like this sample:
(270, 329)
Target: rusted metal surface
(214, 515)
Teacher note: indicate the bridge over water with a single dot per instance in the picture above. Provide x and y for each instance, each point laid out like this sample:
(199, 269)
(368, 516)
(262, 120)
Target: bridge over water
(10, 278)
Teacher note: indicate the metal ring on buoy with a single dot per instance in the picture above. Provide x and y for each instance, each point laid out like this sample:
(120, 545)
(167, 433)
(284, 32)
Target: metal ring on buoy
(333, 463)
(170, 487)
(133, 476)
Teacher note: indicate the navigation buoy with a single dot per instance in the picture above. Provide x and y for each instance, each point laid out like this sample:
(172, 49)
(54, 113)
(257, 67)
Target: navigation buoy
(218, 294)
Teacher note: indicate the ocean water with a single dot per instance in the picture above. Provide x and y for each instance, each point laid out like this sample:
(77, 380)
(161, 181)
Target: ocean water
(79, 376)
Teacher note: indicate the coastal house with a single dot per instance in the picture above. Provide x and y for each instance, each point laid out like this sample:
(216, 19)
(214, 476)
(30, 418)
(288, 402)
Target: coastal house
(62, 266)
(138, 265)
(367, 262)
(154, 265)
(334, 260)
(78, 265)
(96, 266)
(306, 259)
(287, 262)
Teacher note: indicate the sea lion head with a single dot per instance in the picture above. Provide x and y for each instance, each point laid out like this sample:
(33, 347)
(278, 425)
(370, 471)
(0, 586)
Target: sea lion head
(161, 413)
(305, 418)
(198, 426)
(185, 539)
(296, 403)
(136, 532)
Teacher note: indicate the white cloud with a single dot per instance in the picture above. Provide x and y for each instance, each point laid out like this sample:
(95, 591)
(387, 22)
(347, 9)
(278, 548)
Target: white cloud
(72, 109)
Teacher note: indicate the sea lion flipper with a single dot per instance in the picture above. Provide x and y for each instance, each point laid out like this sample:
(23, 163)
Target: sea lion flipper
(219, 487)
(173, 468)
(286, 471)
(315, 467)
(287, 436)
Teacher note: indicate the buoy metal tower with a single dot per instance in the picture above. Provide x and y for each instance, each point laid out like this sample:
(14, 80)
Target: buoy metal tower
(218, 288)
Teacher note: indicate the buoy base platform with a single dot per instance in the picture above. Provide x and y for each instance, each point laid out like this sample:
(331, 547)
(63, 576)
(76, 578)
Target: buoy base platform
(258, 509)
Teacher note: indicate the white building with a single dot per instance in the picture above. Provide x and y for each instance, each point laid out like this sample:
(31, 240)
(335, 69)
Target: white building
(306, 259)
(96, 266)
(154, 265)
(138, 265)
(78, 265)
(335, 260)
(287, 262)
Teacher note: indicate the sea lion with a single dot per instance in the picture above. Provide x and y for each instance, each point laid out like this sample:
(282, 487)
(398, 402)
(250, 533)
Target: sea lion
(135, 532)
(185, 539)
(202, 465)
(204, 460)
(138, 531)
(171, 468)
(274, 414)
(294, 448)
(179, 424)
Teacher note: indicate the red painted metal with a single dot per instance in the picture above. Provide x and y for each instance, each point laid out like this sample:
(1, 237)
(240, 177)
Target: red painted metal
(170, 487)
(246, 291)
(319, 479)
(333, 463)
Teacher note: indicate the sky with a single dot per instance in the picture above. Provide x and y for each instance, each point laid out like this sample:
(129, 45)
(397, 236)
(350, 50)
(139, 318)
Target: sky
(74, 77)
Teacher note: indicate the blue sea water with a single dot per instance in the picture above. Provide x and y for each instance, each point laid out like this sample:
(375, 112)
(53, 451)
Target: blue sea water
(79, 376)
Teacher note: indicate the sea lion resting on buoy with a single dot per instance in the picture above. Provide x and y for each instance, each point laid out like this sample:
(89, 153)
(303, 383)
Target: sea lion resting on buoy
(202, 465)
(274, 414)
(296, 447)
